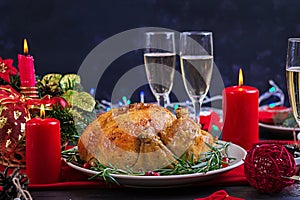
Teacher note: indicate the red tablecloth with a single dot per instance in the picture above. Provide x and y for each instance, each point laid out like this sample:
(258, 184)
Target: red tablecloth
(73, 179)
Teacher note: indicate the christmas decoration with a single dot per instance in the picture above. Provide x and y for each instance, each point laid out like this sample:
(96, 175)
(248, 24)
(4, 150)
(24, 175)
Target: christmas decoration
(70, 82)
(69, 88)
(266, 165)
(19, 104)
(9, 74)
(47, 102)
(13, 115)
(14, 185)
(69, 133)
(59, 101)
(49, 85)
(68, 102)
(57, 84)
(7, 69)
(82, 100)
(16, 107)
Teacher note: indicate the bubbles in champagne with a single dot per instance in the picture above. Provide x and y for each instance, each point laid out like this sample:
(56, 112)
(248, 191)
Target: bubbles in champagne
(197, 72)
(160, 71)
(293, 84)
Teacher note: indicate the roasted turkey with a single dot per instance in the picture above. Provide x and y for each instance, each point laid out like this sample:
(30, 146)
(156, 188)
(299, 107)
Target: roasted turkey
(142, 137)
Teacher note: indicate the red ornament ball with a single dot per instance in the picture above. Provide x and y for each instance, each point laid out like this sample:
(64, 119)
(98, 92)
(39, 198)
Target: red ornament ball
(59, 100)
(265, 164)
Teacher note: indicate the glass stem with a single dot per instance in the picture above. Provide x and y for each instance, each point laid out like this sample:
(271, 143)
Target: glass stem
(162, 100)
(197, 106)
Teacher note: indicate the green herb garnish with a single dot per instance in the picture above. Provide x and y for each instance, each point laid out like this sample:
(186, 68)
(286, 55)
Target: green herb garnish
(211, 160)
(214, 159)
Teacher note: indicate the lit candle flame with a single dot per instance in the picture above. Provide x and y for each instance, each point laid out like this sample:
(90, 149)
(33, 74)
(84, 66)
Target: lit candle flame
(240, 77)
(25, 46)
(42, 111)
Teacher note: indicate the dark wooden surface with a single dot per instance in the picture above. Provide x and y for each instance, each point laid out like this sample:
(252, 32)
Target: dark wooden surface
(245, 192)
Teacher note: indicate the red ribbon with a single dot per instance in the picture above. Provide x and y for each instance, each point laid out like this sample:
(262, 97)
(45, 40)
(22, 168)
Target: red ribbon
(9, 95)
(36, 103)
(219, 195)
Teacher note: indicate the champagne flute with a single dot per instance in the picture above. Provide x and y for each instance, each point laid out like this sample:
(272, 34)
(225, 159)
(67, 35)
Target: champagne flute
(160, 58)
(293, 76)
(293, 86)
(196, 60)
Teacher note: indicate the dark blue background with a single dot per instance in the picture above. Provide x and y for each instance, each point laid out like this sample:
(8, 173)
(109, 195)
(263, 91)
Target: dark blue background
(248, 34)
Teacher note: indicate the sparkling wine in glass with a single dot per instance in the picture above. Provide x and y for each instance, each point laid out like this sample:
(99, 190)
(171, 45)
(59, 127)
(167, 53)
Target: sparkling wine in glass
(293, 85)
(196, 60)
(293, 76)
(159, 59)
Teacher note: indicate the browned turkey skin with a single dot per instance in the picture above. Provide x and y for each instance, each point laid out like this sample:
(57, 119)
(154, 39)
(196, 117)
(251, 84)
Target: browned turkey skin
(142, 137)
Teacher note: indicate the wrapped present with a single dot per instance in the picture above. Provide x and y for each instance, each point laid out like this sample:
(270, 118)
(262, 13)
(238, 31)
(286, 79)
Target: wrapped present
(13, 116)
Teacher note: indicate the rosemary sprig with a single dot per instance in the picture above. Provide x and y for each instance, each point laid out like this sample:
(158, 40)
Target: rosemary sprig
(210, 160)
(105, 172)
(71, 155)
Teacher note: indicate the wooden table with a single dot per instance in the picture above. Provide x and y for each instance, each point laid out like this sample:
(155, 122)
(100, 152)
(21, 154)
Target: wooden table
(183, 193)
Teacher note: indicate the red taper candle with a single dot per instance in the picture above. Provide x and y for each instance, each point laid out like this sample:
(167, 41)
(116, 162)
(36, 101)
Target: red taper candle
(26, 68)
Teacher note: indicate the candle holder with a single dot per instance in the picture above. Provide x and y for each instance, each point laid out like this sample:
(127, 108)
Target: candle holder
(30, 92)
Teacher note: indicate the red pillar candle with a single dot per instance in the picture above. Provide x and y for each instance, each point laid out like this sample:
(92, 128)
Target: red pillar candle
(240, 114)
(26, 68)
(43, 150)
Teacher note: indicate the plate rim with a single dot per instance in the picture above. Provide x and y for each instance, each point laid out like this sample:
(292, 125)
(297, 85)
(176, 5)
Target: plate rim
(168, 177)
(278, 128)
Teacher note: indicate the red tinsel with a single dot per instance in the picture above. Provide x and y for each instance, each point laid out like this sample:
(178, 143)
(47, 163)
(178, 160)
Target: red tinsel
(265, 164)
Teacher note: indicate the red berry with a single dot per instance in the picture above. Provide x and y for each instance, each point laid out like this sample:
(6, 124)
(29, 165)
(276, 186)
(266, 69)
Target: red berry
(86, 165)
(225, 162)
(148, 173)
(151, 173)
(68, 147)
(156, 174)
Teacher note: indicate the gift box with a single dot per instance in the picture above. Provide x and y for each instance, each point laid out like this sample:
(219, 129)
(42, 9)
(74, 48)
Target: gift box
(13, 116)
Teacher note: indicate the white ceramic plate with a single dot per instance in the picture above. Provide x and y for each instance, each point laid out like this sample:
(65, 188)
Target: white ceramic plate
(234, 151)
(278, 129)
